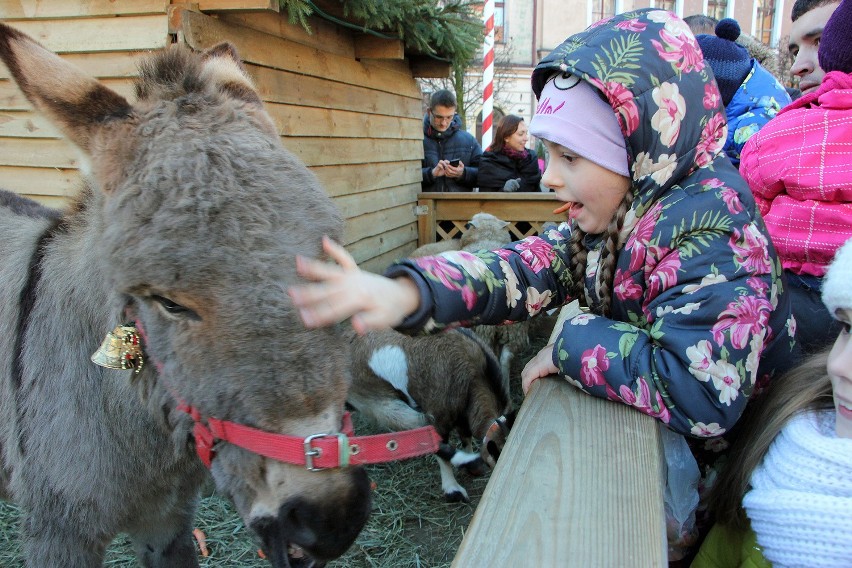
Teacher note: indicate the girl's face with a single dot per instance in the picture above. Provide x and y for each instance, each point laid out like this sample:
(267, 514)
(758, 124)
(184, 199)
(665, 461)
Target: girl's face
(518, 140)
(840, 371)
(594, 191)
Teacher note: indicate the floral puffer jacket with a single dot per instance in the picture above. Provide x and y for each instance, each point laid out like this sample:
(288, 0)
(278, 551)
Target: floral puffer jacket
(699, 313)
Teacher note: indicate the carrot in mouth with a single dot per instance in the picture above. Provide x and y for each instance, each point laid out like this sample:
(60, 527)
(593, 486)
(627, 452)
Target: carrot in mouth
(563, 208)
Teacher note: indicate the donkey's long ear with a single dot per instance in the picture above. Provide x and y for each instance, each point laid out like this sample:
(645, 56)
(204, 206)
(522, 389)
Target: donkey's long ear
(224, 70)
(76, 103)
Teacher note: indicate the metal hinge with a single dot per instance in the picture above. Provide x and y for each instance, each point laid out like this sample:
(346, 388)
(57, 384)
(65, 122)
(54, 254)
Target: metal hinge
(421, 210)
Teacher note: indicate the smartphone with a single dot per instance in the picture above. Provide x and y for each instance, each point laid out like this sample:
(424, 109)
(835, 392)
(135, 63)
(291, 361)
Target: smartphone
(455, 163)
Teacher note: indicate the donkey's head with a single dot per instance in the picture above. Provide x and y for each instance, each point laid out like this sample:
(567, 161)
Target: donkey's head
(197, 212)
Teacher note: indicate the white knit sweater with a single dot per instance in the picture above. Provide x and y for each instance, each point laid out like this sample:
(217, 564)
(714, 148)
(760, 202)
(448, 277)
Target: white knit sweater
(800, 504)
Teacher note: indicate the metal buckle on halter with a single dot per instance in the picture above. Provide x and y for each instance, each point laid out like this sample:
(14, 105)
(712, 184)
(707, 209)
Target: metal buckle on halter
(311, 452)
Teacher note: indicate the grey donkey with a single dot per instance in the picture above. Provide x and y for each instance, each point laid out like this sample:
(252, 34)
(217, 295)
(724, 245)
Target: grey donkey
(187, 226)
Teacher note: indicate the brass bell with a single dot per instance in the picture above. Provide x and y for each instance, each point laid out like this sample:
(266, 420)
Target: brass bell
(121, 349)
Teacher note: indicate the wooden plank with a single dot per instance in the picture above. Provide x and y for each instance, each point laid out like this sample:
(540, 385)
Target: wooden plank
(429, 68)
(427, 223)
(38, 152)
(333, 123)
(290, 88)
(377, 223)
(237, 5)
(35, 9)
(26, 124)
(355, 178)
(379, 263)
(85, 35)
(327, 151)
(40, 181)
(201, 32)
(103, 65)
(50, 200)
(323, 35)
(11, 97)
(362, 203)
(579, 482)
(378, 245)
(372, 47)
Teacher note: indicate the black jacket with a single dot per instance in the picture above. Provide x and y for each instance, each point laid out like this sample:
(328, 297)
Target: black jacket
(496, 168)
(452, 144)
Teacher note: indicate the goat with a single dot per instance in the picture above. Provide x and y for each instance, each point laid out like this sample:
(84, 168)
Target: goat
(451, 380)
(487, 232)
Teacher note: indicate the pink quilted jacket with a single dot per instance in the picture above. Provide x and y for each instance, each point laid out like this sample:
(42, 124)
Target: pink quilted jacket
(799, 167)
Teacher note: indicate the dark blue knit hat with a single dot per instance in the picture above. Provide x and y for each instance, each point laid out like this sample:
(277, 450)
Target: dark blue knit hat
(835, 47)
(731, 63)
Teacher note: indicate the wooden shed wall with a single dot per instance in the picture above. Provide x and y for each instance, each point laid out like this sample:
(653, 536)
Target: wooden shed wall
(354, 121)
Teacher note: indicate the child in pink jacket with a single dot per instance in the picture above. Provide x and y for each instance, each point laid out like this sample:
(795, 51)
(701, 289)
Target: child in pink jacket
(799, 167)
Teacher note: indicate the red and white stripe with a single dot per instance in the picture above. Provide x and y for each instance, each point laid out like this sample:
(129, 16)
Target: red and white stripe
(488, 74)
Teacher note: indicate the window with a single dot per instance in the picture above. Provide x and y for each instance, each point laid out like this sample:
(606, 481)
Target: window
(665, 5)
(499, 22)
(763, 23)
(716, 8)
(602, 9)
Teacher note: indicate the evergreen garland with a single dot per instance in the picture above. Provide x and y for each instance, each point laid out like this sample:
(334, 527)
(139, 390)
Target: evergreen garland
(448, 29)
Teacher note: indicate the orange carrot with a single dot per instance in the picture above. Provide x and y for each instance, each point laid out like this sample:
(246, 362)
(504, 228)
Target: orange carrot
(201, 538)
(563, 208)
(261, 554)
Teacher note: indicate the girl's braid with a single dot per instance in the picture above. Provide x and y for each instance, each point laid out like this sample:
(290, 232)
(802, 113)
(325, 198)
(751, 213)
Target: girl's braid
(578, 260)
(609, 252)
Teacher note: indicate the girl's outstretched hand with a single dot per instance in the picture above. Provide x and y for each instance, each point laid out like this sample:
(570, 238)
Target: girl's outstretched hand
(539, 366)
(343, 290)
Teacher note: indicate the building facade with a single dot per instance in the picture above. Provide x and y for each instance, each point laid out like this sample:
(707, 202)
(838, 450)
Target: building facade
(527, 30)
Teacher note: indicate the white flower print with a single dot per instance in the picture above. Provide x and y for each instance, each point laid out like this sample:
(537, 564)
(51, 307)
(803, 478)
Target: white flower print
(582, 319)
(672, 108)
(536, 300)
(707, 430)
(708, 280)
(727, 380)
(664, 168)
(753, 360)
(685, 310)
(468, 262)
(513, 293)
(700, 360)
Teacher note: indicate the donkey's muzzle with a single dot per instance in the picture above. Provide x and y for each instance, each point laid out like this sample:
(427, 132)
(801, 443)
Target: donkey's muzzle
(319, 527)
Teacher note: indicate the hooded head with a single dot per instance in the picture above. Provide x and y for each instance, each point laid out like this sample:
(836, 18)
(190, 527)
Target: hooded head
(836, 291)
(835, 51)
(647, 65)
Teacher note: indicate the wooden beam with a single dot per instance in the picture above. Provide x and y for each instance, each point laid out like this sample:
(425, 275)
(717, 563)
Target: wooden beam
(372, 47)
(36, 9)
(428, 67)
(237, 5)
(579, 483)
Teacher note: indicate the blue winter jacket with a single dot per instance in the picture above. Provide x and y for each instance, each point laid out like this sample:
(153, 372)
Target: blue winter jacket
(758, 100)
(454, 143)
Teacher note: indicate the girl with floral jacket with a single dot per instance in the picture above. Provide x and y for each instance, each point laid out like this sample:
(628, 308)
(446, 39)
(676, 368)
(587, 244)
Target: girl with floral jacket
(663, 242)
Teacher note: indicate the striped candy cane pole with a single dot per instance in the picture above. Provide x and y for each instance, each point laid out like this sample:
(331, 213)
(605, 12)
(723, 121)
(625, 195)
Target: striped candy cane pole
(488, 74)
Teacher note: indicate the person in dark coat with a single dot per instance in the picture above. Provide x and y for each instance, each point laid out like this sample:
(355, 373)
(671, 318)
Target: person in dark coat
(508, 165)
(450, 154)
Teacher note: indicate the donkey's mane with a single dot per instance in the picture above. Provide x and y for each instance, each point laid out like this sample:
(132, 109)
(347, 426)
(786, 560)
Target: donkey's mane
(170, 74)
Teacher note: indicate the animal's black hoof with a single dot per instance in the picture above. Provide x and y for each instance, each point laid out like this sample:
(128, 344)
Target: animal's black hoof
(476, 468)
(456, 497)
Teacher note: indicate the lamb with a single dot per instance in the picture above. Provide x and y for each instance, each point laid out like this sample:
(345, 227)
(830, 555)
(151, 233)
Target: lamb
(451, 380)
(487, 232)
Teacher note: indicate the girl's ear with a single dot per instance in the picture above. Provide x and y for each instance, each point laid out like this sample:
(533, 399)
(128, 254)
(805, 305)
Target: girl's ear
(77, 104)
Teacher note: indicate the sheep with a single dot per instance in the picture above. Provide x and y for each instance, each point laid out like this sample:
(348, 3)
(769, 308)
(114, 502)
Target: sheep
(451, 380)
(487, 232)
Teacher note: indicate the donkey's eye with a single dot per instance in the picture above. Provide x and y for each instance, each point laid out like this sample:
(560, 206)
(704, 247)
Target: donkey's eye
(173, 308)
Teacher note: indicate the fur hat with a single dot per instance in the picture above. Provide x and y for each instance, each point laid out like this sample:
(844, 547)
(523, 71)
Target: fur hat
(835, 50)
(836, 287)
(731, 63)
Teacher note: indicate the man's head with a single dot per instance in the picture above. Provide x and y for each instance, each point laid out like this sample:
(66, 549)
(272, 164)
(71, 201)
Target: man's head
(809, 19)
(442, 109)
(701, 24)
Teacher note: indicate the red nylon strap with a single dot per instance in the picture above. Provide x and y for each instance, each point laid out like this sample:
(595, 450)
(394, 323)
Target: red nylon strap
(319, 451)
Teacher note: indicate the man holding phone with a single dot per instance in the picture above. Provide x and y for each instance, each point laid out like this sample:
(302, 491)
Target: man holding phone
(450, 155)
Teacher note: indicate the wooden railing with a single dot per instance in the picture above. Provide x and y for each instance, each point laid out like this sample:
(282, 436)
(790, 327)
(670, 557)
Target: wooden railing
(442, 216)
(579, 483)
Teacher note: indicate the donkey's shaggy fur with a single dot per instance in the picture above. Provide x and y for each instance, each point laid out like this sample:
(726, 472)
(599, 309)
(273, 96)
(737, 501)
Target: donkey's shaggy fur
(189, 223)
(450, 380)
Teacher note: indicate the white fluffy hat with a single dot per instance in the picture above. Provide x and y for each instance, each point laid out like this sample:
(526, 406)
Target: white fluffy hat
(837, 284)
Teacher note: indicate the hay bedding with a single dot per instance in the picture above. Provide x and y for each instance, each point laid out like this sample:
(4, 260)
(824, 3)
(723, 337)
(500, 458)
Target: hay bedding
(410, 526)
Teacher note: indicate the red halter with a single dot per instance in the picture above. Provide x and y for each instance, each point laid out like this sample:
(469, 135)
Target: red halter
(316, 451)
